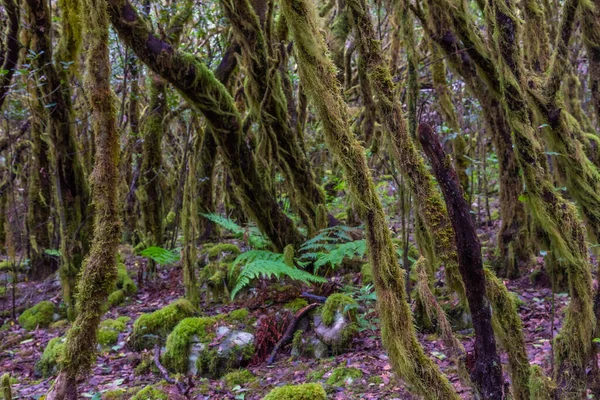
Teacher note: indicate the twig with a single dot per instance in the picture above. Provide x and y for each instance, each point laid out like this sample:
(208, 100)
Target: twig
(289, 332)
(320, 299)
(165, 374)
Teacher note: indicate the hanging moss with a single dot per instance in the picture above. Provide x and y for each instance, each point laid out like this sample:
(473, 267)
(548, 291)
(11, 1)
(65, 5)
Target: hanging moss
(318, 76)
(307, 391)
(159, 323)
(40, 315)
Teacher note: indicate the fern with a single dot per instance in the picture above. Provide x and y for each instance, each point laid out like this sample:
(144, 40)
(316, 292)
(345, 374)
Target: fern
(261, 268)
(160, 255)
(251, 233)
(335, 257)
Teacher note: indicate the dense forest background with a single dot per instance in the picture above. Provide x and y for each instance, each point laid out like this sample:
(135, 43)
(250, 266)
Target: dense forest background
(299, 199)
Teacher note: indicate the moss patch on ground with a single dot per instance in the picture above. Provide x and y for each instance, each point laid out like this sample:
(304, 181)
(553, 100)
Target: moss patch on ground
(240, 377)
(51, 357)
(342, 376)
(39, 315)
(307, 391)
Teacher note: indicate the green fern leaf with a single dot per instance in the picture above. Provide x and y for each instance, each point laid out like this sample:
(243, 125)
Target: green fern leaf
(160, 255)
(268, 269)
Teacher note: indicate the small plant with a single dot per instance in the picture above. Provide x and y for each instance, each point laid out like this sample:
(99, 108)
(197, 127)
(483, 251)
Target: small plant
(161, 256)
(251, 234)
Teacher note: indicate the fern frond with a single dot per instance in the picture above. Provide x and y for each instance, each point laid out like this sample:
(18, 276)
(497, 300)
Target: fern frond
(161, 256)
(268, 269)
(354, 249)
(250, 234)
(253, 255)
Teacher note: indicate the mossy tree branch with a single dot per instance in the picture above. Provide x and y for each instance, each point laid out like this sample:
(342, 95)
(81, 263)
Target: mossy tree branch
(207, 95)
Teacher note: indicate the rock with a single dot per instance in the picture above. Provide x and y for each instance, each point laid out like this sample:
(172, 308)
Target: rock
(337, 335)
(196, 349)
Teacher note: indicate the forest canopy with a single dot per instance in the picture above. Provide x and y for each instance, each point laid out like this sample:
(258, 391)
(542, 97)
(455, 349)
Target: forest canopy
(299, 199)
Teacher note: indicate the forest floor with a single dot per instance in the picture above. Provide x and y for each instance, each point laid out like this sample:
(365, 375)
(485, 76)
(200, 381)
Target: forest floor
(20, 349)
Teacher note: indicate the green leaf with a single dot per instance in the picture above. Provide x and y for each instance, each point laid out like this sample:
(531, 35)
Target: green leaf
(160, 255)
(52, 252)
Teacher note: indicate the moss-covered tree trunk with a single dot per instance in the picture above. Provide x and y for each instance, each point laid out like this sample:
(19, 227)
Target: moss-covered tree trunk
(591, 31)
(100, 266)
(9, 49)
(487, 371)
(207, 95)
(268, 104)
(318, 76)
(71, 197)
(151, 178)
(39, 194)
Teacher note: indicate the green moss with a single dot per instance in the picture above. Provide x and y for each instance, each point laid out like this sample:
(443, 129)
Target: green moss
(342, 376)
(39, 315)
(116, 298)
(307, 391)
(5, 384)
(116, 394)
(315, 376)
(109, 330)
(124, 282)
(150, 393)
(59, 324)
(337, 303)
(240, 315)
(51, 357)
(240, 377)
(176, 355)
(296, 305)
(376, 380)
(366, 271)
(229, 248)
(541, 387)
(159, 323)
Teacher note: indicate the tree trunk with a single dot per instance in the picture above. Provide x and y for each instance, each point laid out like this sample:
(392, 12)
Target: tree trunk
(100, 269)
(487, 371)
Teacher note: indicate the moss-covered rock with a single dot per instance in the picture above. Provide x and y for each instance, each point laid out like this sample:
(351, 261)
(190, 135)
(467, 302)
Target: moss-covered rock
(148, 328)
(338, 303)
(223, 251)
(115, 394)
(51, 357)
(217, 278)
(61, 323)
(150, 392)
(39, 315)
(296, 305)
(240, 377)
(207, 346)
(108, 332)
(366, 271)
(342, 376)
(116, 298)
(307, 391)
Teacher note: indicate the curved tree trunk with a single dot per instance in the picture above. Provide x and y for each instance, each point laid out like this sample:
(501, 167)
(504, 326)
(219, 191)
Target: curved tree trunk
(100, 268)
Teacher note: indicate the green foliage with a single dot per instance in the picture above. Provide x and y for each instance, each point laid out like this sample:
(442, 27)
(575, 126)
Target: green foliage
(337, 254)
(307, 391)
(160, 255)
(39, 315)
(342, 376)
(251, 233)
(150, 327)
(268, 269)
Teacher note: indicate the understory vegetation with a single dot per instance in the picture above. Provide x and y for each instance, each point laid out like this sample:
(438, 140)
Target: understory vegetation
(299, 199)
